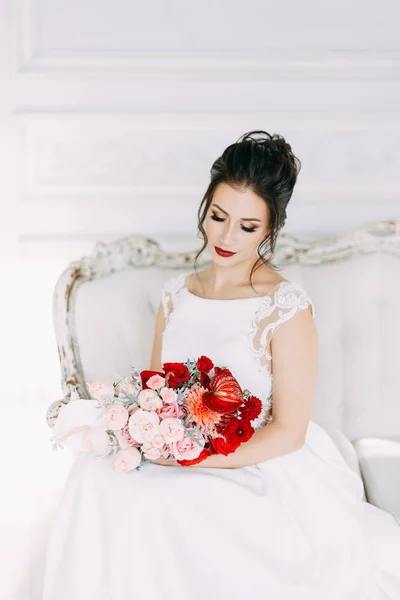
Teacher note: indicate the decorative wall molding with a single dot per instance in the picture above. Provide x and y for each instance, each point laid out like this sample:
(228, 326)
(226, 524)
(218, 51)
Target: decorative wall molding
(140, 252)
(81, 157)
(272, 63)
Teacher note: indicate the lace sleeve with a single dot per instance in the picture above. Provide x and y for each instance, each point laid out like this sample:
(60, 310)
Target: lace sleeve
(276, 309)
(169, 292)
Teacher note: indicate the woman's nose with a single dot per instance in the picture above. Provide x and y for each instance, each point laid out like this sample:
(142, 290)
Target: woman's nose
(228, 237)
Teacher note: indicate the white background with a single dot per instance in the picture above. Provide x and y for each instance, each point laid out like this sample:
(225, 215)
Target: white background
(111, 114)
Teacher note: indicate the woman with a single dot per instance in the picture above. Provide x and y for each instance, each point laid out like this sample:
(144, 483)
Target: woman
(283, 517)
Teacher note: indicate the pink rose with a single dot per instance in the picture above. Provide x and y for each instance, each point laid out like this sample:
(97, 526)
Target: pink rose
(144, 426)
(115, 416)
(94, 440)
(127, 459)
(155, 382)
(172, 430)
(170, 411)
(152, 453)
(149, 400)
(168, 395)
(187, 448)
(124, 439)
(101, 390)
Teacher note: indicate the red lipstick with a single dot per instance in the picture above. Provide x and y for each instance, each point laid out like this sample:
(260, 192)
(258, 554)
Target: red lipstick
(224, 253)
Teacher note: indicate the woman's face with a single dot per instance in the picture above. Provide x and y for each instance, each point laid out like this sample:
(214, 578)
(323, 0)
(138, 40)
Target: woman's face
(236, 221)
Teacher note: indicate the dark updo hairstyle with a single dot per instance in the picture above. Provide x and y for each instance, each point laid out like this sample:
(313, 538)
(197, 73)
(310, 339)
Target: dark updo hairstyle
(267, 166)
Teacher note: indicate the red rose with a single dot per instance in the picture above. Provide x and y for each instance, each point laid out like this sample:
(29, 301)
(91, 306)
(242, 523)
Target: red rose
(145, 375)
(225, 395)
(204, 364)
(224, 447)
(205, 453)
(204, 380)
(175, 374)
(252, 408)
(219, 371)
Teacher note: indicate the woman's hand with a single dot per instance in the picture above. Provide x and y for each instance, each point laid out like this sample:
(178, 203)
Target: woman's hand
(166, 462)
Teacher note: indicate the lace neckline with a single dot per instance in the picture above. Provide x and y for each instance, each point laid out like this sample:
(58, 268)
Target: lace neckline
(185, 289)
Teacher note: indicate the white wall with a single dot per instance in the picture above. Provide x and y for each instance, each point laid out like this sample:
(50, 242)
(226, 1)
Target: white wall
(115, 111)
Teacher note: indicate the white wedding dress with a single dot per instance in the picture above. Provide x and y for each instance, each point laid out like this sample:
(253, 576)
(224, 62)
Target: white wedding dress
(294, 527)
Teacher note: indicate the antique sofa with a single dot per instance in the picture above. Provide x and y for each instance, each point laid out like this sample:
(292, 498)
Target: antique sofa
(104, 316)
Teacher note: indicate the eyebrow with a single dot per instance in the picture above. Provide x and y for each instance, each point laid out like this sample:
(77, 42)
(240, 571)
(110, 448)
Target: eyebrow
(224, 211)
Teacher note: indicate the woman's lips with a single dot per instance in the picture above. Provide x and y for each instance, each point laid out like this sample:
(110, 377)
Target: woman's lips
(223, 252)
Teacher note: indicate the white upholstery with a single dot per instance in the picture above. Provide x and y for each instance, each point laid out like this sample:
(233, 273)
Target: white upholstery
(379, 460)
(357, 316)
(358, 320)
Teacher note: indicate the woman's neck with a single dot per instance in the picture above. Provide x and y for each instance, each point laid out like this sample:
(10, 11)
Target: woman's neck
(215, 279)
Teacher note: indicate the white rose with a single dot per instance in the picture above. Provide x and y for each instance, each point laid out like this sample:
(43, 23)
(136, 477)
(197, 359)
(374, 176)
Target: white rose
(127, 459)
(149, 400)
(172, 430)
(143, 426)
(115, 416)
(158, 441)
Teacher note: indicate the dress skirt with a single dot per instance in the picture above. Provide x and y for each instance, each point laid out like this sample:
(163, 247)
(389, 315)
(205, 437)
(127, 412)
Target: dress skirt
(294, 527)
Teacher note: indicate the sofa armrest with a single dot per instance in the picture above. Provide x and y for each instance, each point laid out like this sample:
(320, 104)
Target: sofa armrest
(379, 460)
(53, 410)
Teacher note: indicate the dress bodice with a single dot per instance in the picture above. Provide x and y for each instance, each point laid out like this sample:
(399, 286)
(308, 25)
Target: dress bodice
(235, 333)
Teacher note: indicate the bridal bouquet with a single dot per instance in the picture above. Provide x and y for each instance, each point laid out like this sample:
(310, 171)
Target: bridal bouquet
(187, 412)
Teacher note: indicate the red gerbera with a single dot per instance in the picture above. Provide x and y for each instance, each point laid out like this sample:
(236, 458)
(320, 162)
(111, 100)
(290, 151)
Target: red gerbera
(239, 429)
(252, 408)
(235, 433)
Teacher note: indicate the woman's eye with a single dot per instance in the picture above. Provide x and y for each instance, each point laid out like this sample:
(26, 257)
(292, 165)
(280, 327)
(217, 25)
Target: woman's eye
(219, 219)
(215, 218)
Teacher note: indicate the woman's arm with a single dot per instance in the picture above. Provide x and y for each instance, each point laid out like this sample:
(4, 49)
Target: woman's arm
(267, 442)
(155, 362)
(294, 350)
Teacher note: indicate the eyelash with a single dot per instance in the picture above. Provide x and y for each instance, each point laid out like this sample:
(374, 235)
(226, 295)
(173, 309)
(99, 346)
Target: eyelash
(248, 229)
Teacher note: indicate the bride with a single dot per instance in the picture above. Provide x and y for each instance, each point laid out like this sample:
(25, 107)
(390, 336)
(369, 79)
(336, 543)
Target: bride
(283, 517)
